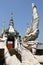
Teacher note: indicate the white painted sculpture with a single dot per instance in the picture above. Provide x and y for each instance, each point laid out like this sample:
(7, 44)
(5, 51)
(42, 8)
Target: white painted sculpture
(33, 31)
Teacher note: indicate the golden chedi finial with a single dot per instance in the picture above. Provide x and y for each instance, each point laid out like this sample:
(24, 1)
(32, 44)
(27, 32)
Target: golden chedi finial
(3, 27)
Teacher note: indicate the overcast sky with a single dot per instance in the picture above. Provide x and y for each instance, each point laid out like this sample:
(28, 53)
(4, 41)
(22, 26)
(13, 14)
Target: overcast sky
(22, 13)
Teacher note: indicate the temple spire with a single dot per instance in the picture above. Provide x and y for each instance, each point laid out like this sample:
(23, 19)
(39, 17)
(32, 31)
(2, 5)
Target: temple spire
(27, 25)
(11, 20)
(3, 27)
(11, 17)
(11, 24)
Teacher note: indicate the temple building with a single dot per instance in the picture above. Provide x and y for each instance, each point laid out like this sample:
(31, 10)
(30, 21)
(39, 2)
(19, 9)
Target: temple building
(11, 34)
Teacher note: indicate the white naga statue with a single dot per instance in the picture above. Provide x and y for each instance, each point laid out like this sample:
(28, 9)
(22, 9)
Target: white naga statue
(33, 31)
